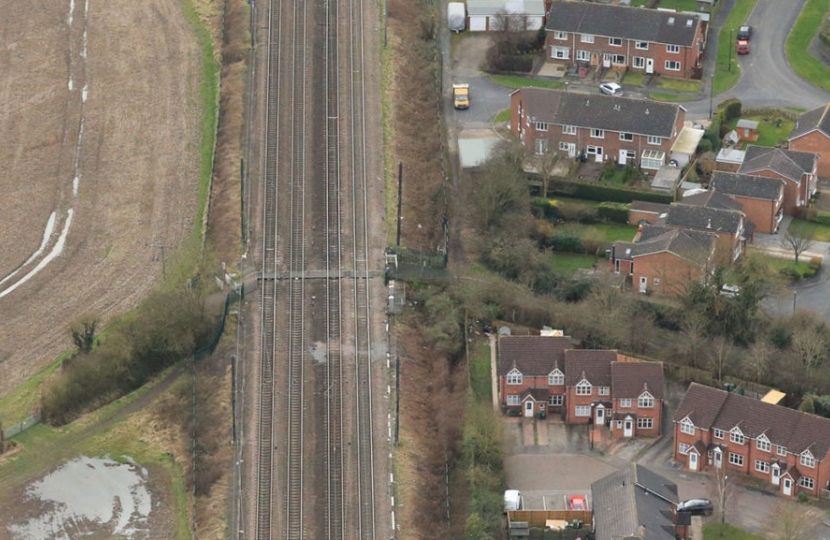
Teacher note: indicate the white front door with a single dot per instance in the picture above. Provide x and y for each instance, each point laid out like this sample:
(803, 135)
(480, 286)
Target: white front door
(628, 428)
(718, 458)
(606, 60)
(571, 150)
(598, 157)
(528, 408)
(600, 416)
(788, 486)
(643, 284)
(776, 475)
(692, 461)
(623, 157)
(649, 65)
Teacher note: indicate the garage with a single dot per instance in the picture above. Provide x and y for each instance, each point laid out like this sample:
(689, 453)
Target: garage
(478, 23)
(488, 15)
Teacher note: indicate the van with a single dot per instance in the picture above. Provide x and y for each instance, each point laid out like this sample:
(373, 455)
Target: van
(512, 500)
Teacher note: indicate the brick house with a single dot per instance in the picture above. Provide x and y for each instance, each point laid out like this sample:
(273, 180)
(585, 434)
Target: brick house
(618, 37)
(601, 127)
(761, 198)
(796, 169)
(812, 134)
(786, 448)
(545, 373)
(645, 211)
(664, 259)
(714, 213)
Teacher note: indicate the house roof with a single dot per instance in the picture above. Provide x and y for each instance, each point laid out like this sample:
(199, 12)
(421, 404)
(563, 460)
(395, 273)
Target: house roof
(788, 163)
(817, 119)
(630, 379)
(730, 155)
(747, 124)
(599, 111)
(712, 199)
(747, 185)
(704, 218)
(646, 206)
(538, 394)
(710, 408)
(513, 7)
(591, 364)
(693, 246)
(532, 355)
(626, 506)
(623, 22)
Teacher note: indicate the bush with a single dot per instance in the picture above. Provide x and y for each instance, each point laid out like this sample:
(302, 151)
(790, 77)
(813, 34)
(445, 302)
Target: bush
(580, 213)
(816, 262)
(592, 240)
(614, 211)
(790, 273)
(802, 497)
(704, 146)
(780, 337)
(809, 272)
(731, 109)
(712, 133)
(566, 242)
(595, 192)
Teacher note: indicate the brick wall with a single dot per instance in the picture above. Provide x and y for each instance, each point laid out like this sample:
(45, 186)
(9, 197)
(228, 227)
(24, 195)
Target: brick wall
(818, 143)
(761, 213)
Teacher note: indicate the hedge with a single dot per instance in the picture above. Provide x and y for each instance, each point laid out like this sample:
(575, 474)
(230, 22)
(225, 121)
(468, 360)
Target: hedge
(595, 192)
(614, 211)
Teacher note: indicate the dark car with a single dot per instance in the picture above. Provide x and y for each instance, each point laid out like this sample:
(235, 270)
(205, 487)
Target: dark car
(744, 33)
(696, 507)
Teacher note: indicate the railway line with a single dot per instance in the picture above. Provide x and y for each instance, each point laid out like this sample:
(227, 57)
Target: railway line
(314, 470)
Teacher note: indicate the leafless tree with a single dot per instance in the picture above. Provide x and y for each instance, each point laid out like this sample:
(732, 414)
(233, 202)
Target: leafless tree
(545, 164)
(694, 336)
(82, 331)
(721, 354)
(758, 359)
(723, 492)
(810, 342)
(791, 521)
(796, 242)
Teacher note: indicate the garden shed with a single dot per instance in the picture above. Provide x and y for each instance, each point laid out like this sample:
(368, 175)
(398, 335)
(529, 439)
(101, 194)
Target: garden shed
(488, 15)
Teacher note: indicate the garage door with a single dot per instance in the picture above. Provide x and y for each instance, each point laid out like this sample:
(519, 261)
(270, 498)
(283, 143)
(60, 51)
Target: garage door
(478, 23)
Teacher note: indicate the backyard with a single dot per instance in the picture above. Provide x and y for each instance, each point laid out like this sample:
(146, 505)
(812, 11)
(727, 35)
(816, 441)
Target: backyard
(772, 131)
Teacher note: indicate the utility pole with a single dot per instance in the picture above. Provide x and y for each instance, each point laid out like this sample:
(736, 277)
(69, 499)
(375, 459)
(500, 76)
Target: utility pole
(156, 245)
(400, 200)
(711, 94)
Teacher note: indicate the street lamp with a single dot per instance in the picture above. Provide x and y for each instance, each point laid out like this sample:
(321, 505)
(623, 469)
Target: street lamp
(711, 94)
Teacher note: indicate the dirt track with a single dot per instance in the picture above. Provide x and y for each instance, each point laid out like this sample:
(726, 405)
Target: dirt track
(137, 160)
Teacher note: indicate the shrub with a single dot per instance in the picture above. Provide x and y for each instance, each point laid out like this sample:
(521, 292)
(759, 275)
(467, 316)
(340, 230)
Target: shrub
(780, 337)
(614, 211)
(790, 273)
(592, 240)
(802, 497)
(731, 109)
(712, 133)
(580, 213)
(809, 272)
(704, 146)
(595, 192)
(808, 406)
(815, 261)
(566, 242)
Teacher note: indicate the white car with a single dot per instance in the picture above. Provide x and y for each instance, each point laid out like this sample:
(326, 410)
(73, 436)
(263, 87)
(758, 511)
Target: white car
(611, 89)
(730, 290)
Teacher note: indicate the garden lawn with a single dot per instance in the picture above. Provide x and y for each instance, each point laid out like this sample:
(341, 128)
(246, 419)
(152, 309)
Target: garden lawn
(776, 265)
(679, 85)
(616, 231)
(480, 381)
(633, 78)
(568, 263)
(722, 531)
(502, 116)
(806, 27)
(515, 81)
(769, 134)
(664, 96)
(679, 5)
(819, 232)
(725, 79)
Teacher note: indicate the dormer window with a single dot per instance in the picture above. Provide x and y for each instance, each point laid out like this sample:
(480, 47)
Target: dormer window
(583, 388)
(763, 444)
(556, 378)
(808, 460)
(514, 377)
(687, 427)
(736, 436)
(645, 401)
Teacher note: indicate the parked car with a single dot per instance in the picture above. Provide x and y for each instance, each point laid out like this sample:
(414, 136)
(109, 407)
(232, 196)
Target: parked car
(577, 502)
(512, 500)
(744, 33)
(742, 47)
(696, 507)
(611, 89)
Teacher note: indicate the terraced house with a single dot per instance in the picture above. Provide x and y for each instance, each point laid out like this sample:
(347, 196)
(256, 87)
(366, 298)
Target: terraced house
(786, 448)
(618, 37)
(796, 169)
(761, 198)
(600, 127)
(812, 134)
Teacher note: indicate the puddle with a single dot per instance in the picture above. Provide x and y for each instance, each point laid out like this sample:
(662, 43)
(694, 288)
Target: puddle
(85, 495)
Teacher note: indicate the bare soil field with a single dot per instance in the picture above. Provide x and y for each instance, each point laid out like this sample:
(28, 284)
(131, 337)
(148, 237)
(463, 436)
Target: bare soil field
(100, 125)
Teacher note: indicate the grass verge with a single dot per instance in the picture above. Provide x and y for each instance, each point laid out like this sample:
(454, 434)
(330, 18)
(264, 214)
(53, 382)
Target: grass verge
(679, 85)
(724, 77)
(633, 78)
(663, 96)
(723, 531)
(516, 81)
(24, 400)
(804, 31)
(387, 77)
(502, 116)
(817, 231)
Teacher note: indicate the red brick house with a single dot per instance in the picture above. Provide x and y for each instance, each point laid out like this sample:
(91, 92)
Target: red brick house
(786, 448)
(812, 134)
(761, 198)
(714, 213)
(796, 169)
(599, 126)
(541, 373)
(645, 211)
(618, 37)
(664, 259)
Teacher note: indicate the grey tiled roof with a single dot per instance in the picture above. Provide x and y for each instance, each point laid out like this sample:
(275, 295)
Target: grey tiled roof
(623, 22)
(591, 364)
(788, 163)
(795, 430)
(712, 199)
(599, 111)
(532, 355)
(702, 218)
(630, 379)
(693, 246)
(647, 206)
(816, 119)
(747, 185)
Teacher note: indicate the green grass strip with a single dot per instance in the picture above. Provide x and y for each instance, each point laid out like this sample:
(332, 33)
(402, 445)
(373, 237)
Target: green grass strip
(663, 96)
(806, 27)
(516, 81)
(724, 78)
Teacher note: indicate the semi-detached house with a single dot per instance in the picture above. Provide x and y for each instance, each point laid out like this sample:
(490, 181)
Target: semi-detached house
(618, 37)
(601, 127)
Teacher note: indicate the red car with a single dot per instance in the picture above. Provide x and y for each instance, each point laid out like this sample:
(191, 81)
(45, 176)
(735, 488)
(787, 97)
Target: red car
(742, 47)
(577, 502)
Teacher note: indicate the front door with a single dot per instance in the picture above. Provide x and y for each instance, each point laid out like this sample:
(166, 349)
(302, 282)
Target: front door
(571, 150)
(788, 486)
(643, 284)
(606, 60)
(628, 428)
(598, 156)
(528, 408)
(776, 475)
(718, 459)
(649, 65)
(692, 461)
(600, 416)
(623, 157)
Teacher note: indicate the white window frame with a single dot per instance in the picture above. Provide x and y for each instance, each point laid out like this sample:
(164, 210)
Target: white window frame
(718, 433)
(597, 133)
(639, 62)
(626, 136)
(652, 159)
(761, 466)
(763, 444)
(514, 377)
(618, 59)
(654, 140)
(672, 65)
(641, 45)
(584, 388)
(556, 401)
(582, 55)
(541, 146)
(586, 38)
(645, 401)
(807, 483)
(673, 49)
(736, 459)
(604, 391)
(687, 427)
(737, 437)
(569, 130)
(780, 450)
(645, 423)
(560, 53)
(541, 126)
(565, 146)
(592, 150)
(683, 448)
(582, 411)
(560, 35)
(807, 460)
(625, 403)
(615, 42)
(556, 378)
(514, 399)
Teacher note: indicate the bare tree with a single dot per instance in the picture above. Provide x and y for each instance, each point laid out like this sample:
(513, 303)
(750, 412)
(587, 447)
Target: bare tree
(792, 521)
(810, 343)
(694, 336)
(758, 359)
(796, 242)
(723, 492)
(721, 354)
(82, 330)
(545, 164)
